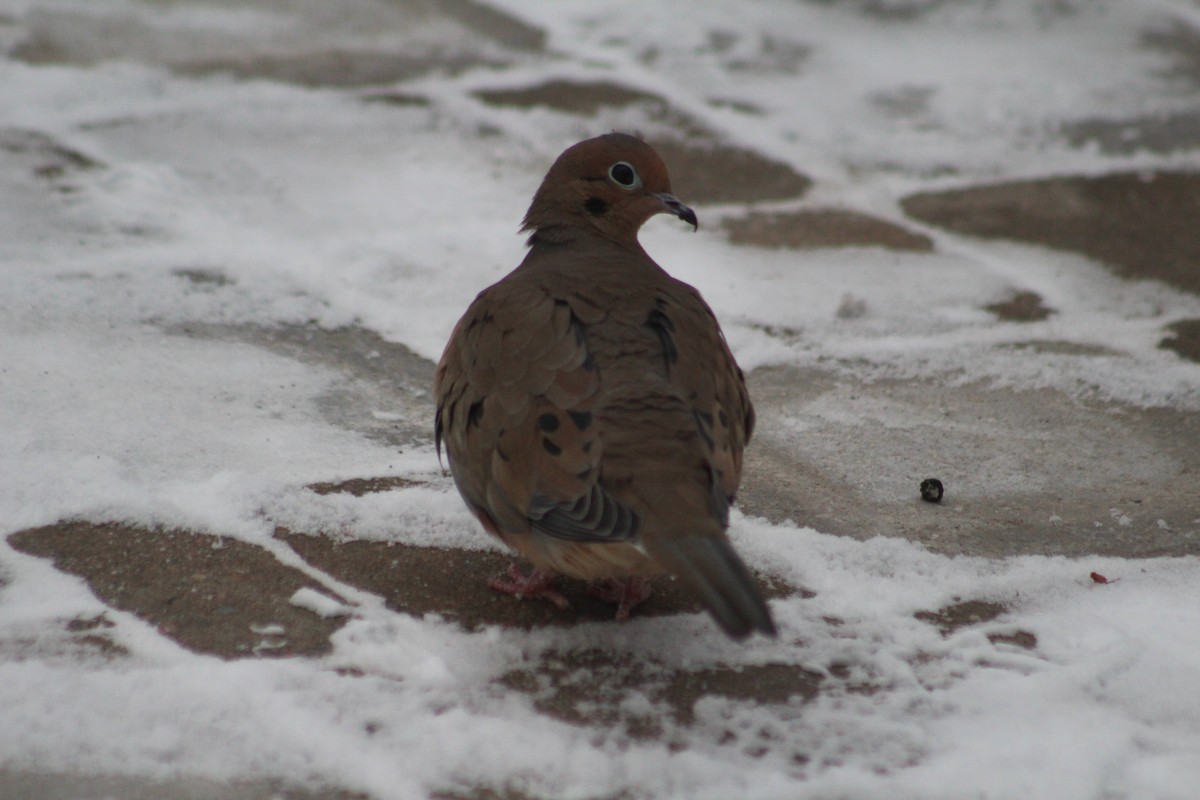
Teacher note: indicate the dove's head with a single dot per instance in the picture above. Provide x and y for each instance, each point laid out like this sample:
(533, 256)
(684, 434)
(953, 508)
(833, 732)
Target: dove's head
(612, 183)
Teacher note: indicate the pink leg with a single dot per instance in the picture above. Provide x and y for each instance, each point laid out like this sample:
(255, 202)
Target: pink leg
(537, 583)
(627, 593)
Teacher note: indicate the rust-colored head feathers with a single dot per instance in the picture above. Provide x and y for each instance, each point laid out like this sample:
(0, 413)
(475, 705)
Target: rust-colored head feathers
(612, 183)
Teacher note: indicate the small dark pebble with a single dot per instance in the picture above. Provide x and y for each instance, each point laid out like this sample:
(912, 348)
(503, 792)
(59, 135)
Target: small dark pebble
(932, 490)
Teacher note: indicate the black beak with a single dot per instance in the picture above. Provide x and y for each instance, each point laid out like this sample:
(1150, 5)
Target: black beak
(672, 205)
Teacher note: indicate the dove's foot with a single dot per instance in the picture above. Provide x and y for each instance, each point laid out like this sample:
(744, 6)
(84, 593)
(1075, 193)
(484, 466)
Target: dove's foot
(538, 583)
(627, 593)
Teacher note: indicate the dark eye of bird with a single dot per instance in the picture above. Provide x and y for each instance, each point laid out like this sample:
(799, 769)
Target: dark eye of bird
(624, 174)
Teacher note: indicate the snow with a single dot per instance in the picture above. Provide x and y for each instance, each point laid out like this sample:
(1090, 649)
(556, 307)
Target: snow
(219, 201)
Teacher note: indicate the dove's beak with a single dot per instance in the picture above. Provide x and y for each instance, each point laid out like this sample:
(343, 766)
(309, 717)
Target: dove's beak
(673, 206)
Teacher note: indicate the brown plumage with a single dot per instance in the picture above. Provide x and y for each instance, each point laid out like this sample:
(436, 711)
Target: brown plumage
(593, 416)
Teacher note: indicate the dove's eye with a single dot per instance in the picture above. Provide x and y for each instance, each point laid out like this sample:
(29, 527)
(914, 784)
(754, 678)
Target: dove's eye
(624, 175)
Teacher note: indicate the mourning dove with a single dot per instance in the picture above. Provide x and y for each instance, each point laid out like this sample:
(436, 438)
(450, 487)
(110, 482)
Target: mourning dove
(592, 413)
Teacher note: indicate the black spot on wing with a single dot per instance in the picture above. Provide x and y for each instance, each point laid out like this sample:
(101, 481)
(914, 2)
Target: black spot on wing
(663, 327)
(475, 413)
(582, 419)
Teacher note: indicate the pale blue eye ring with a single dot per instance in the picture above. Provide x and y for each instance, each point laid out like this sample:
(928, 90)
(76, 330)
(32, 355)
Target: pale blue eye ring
(624, 175)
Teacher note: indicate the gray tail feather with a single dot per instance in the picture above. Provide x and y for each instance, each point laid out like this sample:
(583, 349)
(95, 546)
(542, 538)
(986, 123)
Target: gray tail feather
(709, 566)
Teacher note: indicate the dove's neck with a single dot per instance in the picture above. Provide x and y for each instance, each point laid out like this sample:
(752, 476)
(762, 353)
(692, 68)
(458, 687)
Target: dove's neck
(574, 236)
(571, 251)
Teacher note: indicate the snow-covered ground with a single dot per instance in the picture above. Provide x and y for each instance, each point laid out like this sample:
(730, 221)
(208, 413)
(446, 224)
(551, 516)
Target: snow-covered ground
(151, 180)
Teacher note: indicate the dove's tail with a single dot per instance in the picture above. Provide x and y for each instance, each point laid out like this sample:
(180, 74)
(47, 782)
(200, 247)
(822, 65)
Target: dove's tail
(708, 565)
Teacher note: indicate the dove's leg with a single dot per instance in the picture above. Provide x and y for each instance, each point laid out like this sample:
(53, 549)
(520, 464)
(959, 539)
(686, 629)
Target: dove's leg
(538, 583)
(627, 593)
